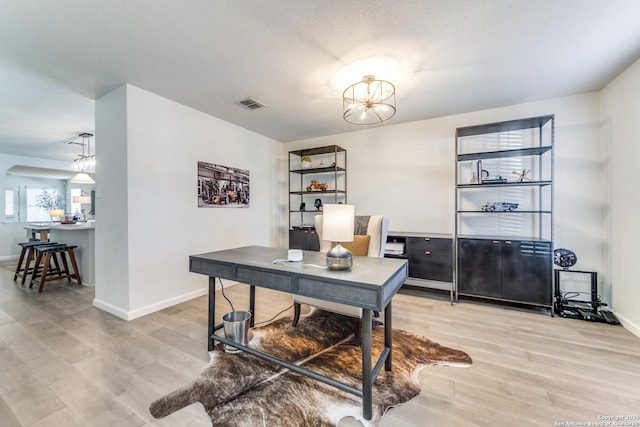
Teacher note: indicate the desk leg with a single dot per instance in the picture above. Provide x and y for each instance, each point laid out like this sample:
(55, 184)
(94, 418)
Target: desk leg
(252, 305)
(367, 392)
(388, 336)
(212, 311)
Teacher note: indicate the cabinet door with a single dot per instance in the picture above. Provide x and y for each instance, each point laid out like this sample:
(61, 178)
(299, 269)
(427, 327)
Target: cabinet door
(479, 271)
(430, 258)
(304, 239)
(526, 271)
(313, 243)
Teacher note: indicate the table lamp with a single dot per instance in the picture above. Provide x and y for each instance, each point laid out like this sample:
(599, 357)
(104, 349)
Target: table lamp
(337, 226)
(56, 213)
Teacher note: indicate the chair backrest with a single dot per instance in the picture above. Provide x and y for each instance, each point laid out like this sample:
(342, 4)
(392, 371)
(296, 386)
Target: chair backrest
(377, 228)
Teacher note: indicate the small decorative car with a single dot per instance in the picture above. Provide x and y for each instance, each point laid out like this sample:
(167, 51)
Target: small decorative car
(315, 185)
(499, 206)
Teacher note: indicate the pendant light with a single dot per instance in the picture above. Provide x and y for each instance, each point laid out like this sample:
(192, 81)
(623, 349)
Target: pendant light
(86, 161)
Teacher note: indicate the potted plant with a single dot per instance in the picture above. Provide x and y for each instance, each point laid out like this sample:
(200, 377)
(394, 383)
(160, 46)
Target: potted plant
(50, 201)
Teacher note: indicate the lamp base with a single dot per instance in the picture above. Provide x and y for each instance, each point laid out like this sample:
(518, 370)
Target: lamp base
(339, 258)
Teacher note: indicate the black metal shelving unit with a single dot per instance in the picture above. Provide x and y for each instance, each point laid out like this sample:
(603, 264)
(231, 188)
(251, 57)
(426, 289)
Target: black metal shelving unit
(505, 255)
(328, 166)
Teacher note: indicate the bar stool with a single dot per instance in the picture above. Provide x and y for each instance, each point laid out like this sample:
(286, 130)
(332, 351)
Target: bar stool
(49, 272)
(28, 249)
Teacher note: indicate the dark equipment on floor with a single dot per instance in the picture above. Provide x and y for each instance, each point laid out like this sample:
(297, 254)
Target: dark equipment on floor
(568, 303)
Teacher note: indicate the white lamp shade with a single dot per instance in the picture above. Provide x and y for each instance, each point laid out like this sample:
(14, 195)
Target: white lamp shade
(338, 222)
(82, 199)
(82, 178)
(56, 213)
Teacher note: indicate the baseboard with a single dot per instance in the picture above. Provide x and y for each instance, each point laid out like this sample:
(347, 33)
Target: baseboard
(9, 258)
(629, 325)
(151, 308)
(111, 309)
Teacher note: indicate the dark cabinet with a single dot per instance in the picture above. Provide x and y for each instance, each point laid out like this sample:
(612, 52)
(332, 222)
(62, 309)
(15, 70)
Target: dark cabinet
(512, 270)
(429, 258)
(304, 239)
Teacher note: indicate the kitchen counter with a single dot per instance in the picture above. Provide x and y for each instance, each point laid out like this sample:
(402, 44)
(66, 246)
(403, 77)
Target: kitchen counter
(83, 236)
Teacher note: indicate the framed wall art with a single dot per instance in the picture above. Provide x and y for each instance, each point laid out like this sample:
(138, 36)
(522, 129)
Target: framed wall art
(222, 186)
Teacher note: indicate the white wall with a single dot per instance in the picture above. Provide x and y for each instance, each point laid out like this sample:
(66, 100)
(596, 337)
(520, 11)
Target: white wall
(407, 171)
(149, 222)
(112, 209)
(620, 112)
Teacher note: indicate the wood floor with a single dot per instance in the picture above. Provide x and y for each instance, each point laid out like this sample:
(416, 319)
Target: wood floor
(65, 363)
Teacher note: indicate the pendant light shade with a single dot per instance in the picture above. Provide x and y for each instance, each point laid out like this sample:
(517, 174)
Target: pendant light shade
(82, 178)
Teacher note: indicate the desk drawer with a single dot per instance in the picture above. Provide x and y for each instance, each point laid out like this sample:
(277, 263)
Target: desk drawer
(223, 271)
(277, 281)
(343, 294)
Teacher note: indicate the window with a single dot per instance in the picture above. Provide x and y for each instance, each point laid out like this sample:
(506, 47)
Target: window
(11, 204)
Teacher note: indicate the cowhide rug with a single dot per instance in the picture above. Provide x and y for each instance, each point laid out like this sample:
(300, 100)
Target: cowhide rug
(243, 390)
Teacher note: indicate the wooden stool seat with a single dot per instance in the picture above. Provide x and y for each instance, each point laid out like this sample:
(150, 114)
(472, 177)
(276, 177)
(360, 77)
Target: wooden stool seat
(47, 253)
(28, 250)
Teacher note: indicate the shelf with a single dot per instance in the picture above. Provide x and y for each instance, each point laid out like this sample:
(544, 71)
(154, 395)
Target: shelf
(420, 234)
(506, 212)
(404, 256)
(306, 211)
(520, 124)
(507, 184)
(332, 192)
(318, 150)
(513, 238)
(330, 169)
(519, 152)
(530, 303)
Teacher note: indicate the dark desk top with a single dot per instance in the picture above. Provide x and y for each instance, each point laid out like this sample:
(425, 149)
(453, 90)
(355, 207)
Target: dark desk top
(369, 284)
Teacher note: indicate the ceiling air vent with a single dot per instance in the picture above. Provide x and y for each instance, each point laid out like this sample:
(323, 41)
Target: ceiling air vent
(251, 103)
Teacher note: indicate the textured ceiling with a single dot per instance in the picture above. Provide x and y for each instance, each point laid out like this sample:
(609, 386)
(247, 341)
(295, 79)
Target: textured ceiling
(445, 57)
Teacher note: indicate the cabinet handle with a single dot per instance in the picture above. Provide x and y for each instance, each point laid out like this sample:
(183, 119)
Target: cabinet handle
(427, 252)
(507, 242)
(427, 238)
(495, 242)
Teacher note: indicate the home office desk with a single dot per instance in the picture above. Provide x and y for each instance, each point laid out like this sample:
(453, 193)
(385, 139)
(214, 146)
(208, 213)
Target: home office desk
(370, 284)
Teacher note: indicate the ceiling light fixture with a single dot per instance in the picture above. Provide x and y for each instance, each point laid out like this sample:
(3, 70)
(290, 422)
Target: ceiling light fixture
(86, 161)
(369, 102)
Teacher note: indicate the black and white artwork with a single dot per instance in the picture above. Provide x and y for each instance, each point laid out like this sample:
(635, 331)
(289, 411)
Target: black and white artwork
(222, 186)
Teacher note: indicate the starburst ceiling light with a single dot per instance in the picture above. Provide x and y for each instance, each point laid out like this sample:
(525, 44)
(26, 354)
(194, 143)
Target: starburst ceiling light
(369, 102)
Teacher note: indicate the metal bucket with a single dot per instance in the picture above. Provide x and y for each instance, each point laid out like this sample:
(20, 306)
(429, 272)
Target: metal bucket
(236, 328)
